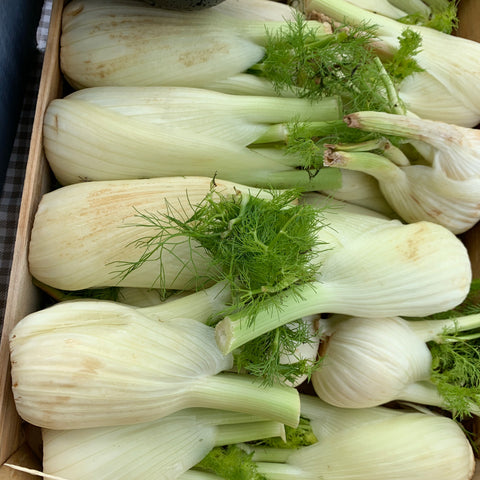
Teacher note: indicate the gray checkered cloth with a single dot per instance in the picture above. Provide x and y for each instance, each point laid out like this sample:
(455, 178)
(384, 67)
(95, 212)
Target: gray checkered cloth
(12, 189)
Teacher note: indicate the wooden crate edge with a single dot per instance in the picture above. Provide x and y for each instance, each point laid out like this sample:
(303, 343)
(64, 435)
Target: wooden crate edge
(23, 297)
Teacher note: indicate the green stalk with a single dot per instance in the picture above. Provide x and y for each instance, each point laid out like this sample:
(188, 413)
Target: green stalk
(437, 134)
(434, 330)
(247, 432)
(259, 32)
(427, 393)
(281, 471)
(392, 93)
(348, 13)
(412, 6)
(249, 84)
(386, 124)
(269, 454)
(323, 179)
(282, 132)
(201, 306)
(237, 329)
(371, 163)
(278, 153)
(246, 394)
(381, 144)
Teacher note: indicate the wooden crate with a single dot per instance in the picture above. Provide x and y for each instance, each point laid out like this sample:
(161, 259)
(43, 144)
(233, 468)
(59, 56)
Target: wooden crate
(23, 297)
(19, 443)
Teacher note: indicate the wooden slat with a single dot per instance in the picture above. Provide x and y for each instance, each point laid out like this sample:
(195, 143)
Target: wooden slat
(23, 297)
(469, 27)
(469, 18)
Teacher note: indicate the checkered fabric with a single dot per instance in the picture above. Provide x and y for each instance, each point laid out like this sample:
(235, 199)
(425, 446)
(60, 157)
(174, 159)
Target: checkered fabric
(12, 189)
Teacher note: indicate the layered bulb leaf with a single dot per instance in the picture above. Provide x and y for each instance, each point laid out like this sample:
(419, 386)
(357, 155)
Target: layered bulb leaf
(371, 443)
(366, 362)
(417, 192)
(419, 90)
(373, 267)
(72, 254)
(454, 74)
(361, 453)
(115, 133)
(442, 185)
(94, 363)
(145, 45)
(372, 361)
(162, 449)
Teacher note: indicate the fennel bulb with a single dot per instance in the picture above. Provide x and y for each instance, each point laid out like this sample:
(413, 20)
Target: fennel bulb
(416, 192)
(109, 133)
(75, 252)
(162, 449)
(371, 361)
(431, 100)
(380, 443)
(240, 119)
(410, 446)
(144, 45)
(361, 189)
(439, 56)
(412, 268)
(90, 363)
(451, 148)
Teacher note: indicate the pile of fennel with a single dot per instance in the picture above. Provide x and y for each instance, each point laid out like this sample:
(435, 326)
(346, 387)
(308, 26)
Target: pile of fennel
(193, 165)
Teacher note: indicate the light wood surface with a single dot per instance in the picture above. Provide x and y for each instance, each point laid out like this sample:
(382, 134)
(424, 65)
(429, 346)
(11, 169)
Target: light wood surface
(469, 27)
(23, 297)
(469, 17)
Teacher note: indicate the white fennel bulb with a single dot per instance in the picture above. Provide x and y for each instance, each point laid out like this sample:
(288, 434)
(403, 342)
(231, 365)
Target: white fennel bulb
(81, 250)
(92, 363)
(411, 446)
(417, 192)
(161, 449)
(85, 141)
(438, 56)
(372, 443)
(431, 100)
(378, 268)
(133, 43)
(366, 362)
(371, 361)
(240, 119)
(453, 149)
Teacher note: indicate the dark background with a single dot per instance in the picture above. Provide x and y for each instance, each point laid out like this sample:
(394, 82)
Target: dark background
(18, 23)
